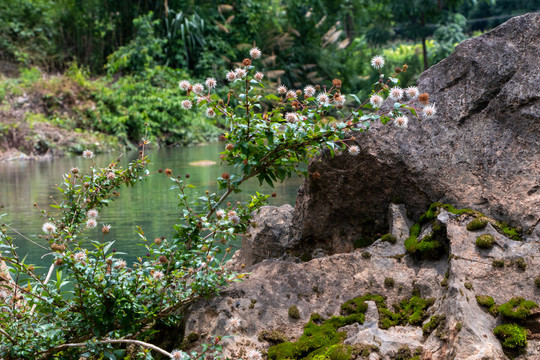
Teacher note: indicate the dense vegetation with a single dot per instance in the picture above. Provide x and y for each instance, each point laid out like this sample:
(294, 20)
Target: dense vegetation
(136, 45)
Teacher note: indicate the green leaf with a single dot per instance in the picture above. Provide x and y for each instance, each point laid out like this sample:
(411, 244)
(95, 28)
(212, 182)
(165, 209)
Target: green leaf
(355, 98)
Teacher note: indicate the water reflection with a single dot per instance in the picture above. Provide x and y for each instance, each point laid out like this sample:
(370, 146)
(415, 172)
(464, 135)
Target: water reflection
(149, 205)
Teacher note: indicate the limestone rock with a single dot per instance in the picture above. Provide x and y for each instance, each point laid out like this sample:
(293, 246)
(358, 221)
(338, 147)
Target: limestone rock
(268, 237)
(480, 151)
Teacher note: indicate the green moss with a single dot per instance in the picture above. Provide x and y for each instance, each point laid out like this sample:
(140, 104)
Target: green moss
(498, 263)
(521, 264)
(459, 326)
(366, 255)
(455, 211)
(192, 337)
(433, 323)
(485, 241)
(362, 242)
(510, 232)
(389, 282)
(488, 303)
(517, 308)
(363, 350)
(444, 282)
(404, 353)
(537, 282)
(389, 238)
(513, 337)
(468, 285)
(428, 247)
(294, 312)
(321, 340)
(272, 336)
(477, 224)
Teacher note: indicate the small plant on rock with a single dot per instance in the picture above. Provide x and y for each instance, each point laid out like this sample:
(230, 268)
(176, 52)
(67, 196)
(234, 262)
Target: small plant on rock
(485, 241)
(488, 303)
(477, 224)
(517, 308)
(389, 238)
(294, 312)
(512, 336)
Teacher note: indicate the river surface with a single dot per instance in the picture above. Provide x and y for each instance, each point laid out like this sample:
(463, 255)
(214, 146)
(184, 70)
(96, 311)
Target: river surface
(149, 204)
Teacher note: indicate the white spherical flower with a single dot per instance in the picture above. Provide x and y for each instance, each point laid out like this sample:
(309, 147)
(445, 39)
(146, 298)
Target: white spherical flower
(49, 227)
(231, 213)
(396, 93)
(120, 264)
(91, 223)
(254, 355)
(240, 72)
(184, 85)
(210, 112)
(234, 219)
(412, 92)
(87, 154)
(111, 175)
(258, 76)
(291, 117)
(281, 89)
(322, 99)
(235, 323)
(220, 214)
(291, 94)
(92, 214)
(186, 104)
(429, 110)
(255, 53)
(198, 88)
(80, 256)
(354, 150)
(401, 121)
(231, 76)
(177, 355)
(158, 275)
(211, 83)
(377, 62)
(376, 100)
(309, 91)
(339, 99)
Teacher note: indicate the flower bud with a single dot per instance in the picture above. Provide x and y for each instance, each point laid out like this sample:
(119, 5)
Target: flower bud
(157, 241)
(317, 87)
(204, 248)
(225, 176)
(397, 69)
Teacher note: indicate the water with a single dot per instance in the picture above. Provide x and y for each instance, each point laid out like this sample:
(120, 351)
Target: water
(149, 205)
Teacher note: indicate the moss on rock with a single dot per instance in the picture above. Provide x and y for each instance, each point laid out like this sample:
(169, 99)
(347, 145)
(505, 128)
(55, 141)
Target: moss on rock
(477, 224)
(485, 241)
(517, 308)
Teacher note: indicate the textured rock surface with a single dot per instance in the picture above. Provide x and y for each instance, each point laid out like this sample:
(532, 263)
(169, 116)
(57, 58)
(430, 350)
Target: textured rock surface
(481, 150)
(271, 236)
(321, 285)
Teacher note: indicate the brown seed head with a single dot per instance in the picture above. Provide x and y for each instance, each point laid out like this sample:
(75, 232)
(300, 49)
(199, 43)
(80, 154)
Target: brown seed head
(222, 156)
(160, 171)
(298, 92)
(105, 229)
(168, 172)
(163, 259)
(58, 262)
(397, 69)
(229, 146)
(316, 175)
(245, 162)
(317, 87)
(109, 261)
(274, 195)
(225, 176)
(336, 83)
(423, 97)
(157, 241)
(246, 62)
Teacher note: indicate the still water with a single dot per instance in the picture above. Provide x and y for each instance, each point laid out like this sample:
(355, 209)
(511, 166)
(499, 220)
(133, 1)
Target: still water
(149, 205)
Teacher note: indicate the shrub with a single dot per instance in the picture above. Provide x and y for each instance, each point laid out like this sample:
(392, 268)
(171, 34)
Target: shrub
(109, 302)
(485, 241)
(477, 224)
(513, 337)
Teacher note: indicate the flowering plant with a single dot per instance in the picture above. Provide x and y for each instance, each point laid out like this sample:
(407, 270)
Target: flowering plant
(99, 304)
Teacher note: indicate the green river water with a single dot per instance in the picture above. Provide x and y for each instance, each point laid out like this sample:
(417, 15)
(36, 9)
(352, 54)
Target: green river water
(149, 205)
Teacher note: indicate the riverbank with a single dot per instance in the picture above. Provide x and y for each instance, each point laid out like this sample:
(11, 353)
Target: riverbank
(53, 115)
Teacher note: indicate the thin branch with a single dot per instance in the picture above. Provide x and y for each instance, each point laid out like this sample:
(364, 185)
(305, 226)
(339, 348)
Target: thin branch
(106, 341)
(7, 335)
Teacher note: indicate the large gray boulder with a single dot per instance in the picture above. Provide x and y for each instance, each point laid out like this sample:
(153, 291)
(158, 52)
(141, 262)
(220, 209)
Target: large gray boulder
(481, 150)
(260, 304)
